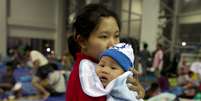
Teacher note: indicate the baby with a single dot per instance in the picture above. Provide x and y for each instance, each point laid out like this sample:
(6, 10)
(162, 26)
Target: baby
(114, 67)
(114, 62)
(110, 74)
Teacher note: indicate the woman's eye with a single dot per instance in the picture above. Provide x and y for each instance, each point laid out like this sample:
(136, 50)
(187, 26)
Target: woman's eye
(117, 36)
(103, 37)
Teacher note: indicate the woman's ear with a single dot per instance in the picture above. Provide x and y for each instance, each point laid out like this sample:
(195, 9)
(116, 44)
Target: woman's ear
(81, 41)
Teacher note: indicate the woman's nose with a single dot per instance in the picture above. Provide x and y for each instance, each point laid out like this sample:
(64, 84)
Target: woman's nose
(112, 41)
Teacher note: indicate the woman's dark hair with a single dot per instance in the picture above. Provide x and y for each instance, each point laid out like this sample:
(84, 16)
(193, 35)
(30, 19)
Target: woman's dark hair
(89, 18)
(72, 46)
(134, 43)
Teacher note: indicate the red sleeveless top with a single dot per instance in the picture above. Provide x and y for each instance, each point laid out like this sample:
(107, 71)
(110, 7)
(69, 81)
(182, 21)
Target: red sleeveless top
(74, 90)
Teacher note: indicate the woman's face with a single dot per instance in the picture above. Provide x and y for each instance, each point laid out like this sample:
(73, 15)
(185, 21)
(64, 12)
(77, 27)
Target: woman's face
(105, 35)
(107, 70)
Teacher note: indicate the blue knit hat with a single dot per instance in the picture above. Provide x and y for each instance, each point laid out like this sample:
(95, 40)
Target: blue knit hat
(122, 53)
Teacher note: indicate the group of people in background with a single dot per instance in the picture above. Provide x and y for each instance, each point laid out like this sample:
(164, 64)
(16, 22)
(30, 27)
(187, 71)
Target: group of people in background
(47, 77)
(99, 66)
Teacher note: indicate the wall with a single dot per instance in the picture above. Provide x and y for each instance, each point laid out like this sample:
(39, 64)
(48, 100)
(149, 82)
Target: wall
(190, 17)
(3, 28)
(32, 18)
(40, 19)
(135, 18)
(150, 22)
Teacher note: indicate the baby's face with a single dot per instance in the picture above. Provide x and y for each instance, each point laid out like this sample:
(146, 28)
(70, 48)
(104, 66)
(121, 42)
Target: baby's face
(108, 69)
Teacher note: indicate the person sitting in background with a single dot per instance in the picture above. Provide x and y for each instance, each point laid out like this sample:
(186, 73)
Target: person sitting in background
(185, 80)
(52, 80)
(163, 81)
(154, 94)
(153, 90)
(46, 75)
(37, 60)
(7, 81)
(67, 62)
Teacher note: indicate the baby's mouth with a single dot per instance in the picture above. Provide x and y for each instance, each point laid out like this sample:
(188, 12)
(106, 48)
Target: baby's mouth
(103, 79)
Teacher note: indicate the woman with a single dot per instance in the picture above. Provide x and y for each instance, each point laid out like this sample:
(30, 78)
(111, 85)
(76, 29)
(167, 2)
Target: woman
(96, 29)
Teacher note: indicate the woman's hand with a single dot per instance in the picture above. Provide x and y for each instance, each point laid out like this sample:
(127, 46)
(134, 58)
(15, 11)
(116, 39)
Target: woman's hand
(135, 84)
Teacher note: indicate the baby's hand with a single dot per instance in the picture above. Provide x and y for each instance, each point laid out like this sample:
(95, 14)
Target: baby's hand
(135, 84)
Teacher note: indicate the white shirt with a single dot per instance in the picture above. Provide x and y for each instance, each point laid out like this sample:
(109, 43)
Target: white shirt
(57, 81)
